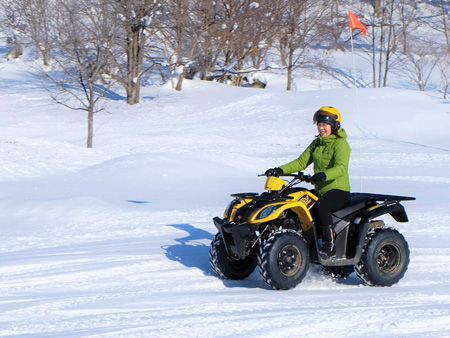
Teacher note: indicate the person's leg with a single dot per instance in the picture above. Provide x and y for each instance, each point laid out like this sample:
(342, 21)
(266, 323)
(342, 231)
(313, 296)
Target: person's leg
(332, 201)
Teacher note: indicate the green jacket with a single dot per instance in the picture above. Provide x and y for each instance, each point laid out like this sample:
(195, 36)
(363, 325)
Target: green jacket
(331, 156)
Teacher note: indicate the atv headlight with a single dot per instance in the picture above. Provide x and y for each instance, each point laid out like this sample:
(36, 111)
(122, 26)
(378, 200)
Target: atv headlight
(266, 212)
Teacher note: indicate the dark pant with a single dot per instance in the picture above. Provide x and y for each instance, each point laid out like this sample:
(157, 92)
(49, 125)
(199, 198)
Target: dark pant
(332, 201)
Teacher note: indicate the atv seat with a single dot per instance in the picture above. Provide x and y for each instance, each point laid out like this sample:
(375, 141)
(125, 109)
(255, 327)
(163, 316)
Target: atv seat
(357, 202)
(361, 200)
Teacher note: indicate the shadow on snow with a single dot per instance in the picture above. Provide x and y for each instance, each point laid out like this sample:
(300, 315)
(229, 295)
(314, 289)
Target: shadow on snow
(191, 250)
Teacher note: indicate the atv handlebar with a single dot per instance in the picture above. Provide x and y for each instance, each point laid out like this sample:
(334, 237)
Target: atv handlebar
(300, 176)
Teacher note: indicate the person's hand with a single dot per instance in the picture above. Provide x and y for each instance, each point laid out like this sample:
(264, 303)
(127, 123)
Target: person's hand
(319, 177)
(301, 176)
(274, 172)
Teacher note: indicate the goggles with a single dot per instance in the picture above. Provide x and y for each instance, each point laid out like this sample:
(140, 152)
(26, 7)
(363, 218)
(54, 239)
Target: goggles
(325, 118)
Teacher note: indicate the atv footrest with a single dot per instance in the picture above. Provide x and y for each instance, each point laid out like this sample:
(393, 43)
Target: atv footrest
(337, 261)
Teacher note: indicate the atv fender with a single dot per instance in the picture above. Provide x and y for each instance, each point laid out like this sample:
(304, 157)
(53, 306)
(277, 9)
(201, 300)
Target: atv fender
(396, 210)
(299, 208)
(235, 236)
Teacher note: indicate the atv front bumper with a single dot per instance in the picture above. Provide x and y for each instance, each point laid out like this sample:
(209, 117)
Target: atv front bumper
(235, 236)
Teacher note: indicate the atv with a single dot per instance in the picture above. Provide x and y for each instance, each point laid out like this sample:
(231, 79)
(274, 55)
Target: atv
(275, 231)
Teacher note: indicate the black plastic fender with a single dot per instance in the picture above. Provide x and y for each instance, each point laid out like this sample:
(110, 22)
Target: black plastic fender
(235, 236)
(397, 211)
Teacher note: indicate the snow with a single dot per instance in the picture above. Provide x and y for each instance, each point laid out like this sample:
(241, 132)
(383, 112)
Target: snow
(113, 241)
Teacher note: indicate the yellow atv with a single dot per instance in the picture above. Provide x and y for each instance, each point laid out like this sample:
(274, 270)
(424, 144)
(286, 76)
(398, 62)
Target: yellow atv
(275, 230)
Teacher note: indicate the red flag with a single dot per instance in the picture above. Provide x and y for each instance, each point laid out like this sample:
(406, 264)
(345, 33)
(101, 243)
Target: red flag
(355, 23)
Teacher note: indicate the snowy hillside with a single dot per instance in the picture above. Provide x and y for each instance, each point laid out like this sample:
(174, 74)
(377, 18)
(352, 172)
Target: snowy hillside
(113, 241)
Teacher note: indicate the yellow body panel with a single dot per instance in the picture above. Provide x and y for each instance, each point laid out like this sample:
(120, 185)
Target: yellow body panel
(301, 203)
(274, 183)
(236, 207)
(298, 207)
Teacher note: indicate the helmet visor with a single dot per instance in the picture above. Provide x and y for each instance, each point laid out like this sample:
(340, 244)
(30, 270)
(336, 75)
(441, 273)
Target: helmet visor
(323, 117)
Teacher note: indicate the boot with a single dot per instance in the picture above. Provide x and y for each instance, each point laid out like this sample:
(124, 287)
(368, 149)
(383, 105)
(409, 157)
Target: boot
(328, 249)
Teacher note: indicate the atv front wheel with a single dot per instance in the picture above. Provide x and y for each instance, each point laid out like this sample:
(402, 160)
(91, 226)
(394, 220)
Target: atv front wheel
(225, 266)
(385, 258)
(283, 259)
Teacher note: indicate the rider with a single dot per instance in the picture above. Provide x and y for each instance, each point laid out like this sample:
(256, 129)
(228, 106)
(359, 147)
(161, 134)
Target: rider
(330, 154)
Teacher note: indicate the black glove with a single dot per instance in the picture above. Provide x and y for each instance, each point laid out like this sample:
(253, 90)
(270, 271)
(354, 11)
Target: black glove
(301, 176)
(274, 172)
(319, 177)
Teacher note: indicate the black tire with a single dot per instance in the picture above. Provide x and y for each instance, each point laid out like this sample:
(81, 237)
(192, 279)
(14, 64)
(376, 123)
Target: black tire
(385, 258)
(224, 266)
(339, 271)
(283, 259)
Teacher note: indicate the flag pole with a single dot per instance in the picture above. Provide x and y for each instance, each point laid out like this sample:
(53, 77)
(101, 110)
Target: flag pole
(357, 112)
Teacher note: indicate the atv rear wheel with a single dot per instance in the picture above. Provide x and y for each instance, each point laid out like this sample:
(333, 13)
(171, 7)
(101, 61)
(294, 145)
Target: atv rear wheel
(283, 259)
(385, 258)
(225, 266)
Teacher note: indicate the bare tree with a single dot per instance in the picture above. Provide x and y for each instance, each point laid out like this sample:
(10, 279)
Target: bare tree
(440, 21)
(420, 62)
(260, 23)
(16, 49)
(409, 22)
(179, 44)
(197, 34)
(383, 35)
(445, 12)
(32, 18)
(335, 29)
(391, 25)
(220, 40)
(10, 27)
(444, 69)
(247, 35)
(298, 32)
(82, 55)
(137, 18)
(208, 21)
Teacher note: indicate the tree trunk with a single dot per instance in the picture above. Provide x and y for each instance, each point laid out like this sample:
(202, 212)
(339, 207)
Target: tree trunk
(91, 111)
(90, 127)
(377, 6)
(179, 85)
(388, 55)
(380, 56)
(46, 57)
(289, 78)
(36, 55)
(290, 68)
(134, 67)
(133, 92)
(444, 24)
(374, 58)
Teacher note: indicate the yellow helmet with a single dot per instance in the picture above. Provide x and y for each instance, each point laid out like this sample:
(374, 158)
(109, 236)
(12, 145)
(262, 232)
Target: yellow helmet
(329, 115)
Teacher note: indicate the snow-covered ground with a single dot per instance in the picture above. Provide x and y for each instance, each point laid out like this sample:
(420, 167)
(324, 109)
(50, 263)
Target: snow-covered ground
(113, 241)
